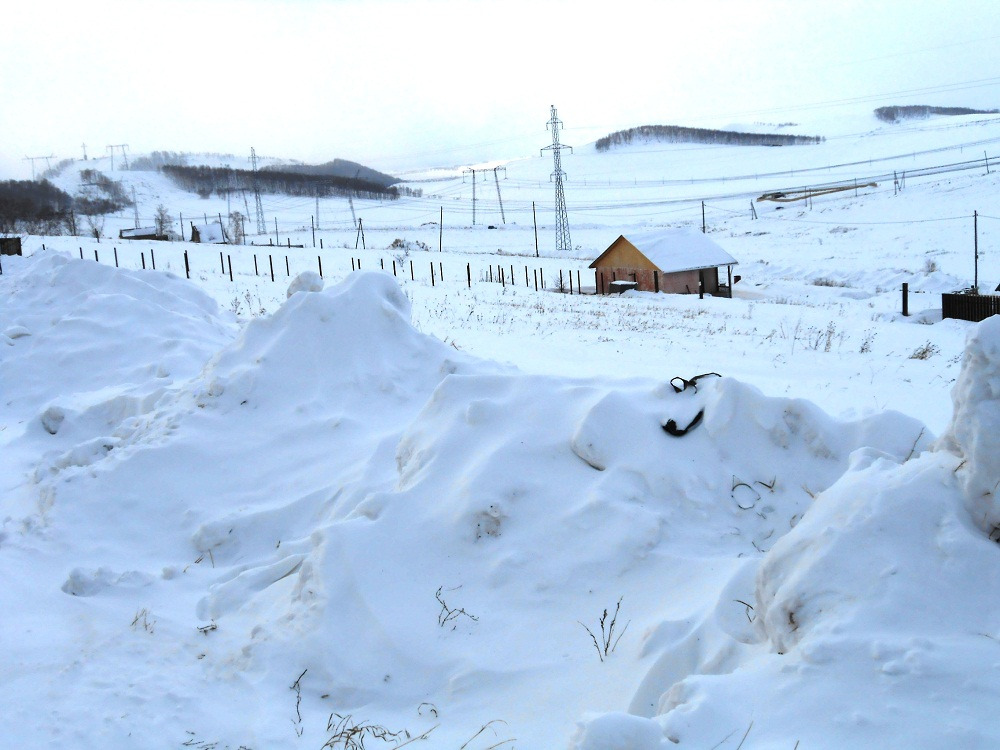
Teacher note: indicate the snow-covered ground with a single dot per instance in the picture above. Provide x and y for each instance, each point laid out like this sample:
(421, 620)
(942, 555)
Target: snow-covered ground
(395, 508)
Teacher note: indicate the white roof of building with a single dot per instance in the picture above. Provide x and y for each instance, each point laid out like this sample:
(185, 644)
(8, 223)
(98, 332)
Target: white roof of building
(673, 250)
(138, 232)
(211, 233)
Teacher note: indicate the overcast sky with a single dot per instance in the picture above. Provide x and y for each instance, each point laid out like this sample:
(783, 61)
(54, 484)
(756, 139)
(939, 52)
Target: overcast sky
(400, 85)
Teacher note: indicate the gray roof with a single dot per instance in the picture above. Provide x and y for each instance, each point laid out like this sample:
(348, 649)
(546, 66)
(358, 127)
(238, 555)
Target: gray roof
(673, 250)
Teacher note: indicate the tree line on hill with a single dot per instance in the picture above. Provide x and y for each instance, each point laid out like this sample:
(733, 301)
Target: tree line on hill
(39, 207)
(682, 134)
(221, 180)
(896, 113)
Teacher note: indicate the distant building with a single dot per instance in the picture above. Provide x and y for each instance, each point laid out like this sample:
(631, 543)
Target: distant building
(10, 245)
(209, 234)
(676, 261)
(141, 233)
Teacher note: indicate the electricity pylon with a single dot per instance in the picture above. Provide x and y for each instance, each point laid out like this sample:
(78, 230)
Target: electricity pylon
(563, 242)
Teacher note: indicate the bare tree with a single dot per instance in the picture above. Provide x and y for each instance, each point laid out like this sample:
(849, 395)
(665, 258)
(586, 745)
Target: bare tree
(237, 232)
(96, 224)
(163, 220)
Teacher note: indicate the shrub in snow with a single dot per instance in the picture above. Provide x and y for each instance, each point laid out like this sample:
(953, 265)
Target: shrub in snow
(307, 281)
(974, 434)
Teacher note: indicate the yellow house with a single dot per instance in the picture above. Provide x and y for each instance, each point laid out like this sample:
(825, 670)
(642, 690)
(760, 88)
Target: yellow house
(678, 261)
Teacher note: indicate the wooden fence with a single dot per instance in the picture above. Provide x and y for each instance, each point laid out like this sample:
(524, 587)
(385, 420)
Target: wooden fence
(974, 307)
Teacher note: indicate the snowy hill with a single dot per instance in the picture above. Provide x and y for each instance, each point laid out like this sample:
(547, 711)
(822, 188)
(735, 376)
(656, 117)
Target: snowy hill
(446, 511)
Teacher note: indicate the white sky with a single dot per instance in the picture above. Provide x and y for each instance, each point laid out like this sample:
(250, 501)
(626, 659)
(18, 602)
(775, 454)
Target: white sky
(400, 85)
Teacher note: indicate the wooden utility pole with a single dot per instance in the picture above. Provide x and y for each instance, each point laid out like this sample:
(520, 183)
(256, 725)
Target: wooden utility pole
(975, 241)
(473, 193)
(534, 218)
(499, 199)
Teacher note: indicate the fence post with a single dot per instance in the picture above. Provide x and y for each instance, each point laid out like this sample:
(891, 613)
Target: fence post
(432, 273)
(535, 272)
(142, 257)
(412, 277)
(320, 259)
(95, 256)
(229, 258)
(222, 263)
(255, 271)
(288, 270)
(468, 273)
(152, 258)
(270, 261)
(906, 299)
(116, 257)
(187, 266)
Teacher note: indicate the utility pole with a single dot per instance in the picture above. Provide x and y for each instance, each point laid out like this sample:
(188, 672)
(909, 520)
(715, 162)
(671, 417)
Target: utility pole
(360, 236)
(33, 159)
(563, 242)
(317, 214)
(135, 207)
(354, 218)
(122, 146)
(473, 192)
(261, 226)
(499, 199)
(84, 151)
(975, 241)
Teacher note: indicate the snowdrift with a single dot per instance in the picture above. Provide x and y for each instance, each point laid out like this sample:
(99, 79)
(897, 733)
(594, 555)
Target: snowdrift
(327, 522)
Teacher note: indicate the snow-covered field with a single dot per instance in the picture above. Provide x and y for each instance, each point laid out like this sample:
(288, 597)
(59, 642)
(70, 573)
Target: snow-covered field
(391, 509)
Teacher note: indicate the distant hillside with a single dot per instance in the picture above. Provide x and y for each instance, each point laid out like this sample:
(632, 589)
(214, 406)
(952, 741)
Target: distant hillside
(220, 180)
(681, 134)
(340, 168)
(922, 111)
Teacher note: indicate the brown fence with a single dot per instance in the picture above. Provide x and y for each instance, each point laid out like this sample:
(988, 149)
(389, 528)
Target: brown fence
(974, 307)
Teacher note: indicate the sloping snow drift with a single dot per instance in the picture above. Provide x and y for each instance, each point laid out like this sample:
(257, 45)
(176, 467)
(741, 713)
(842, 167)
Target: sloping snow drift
(327, 520)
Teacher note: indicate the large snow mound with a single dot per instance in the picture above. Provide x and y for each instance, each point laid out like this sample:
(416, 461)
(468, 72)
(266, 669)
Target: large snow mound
(332, 513)
(887, 591)
(974, 434)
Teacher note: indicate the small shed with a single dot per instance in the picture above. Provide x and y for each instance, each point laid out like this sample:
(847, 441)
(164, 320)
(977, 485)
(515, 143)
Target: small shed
(10, 245)
(210, 234)
(677, 261)
(140, 233)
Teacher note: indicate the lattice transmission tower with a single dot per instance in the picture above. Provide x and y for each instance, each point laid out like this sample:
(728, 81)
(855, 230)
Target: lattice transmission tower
(261, 227)
(563, 242)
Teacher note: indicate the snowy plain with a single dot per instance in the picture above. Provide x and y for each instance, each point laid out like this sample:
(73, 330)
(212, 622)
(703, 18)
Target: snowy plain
(238, 517)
